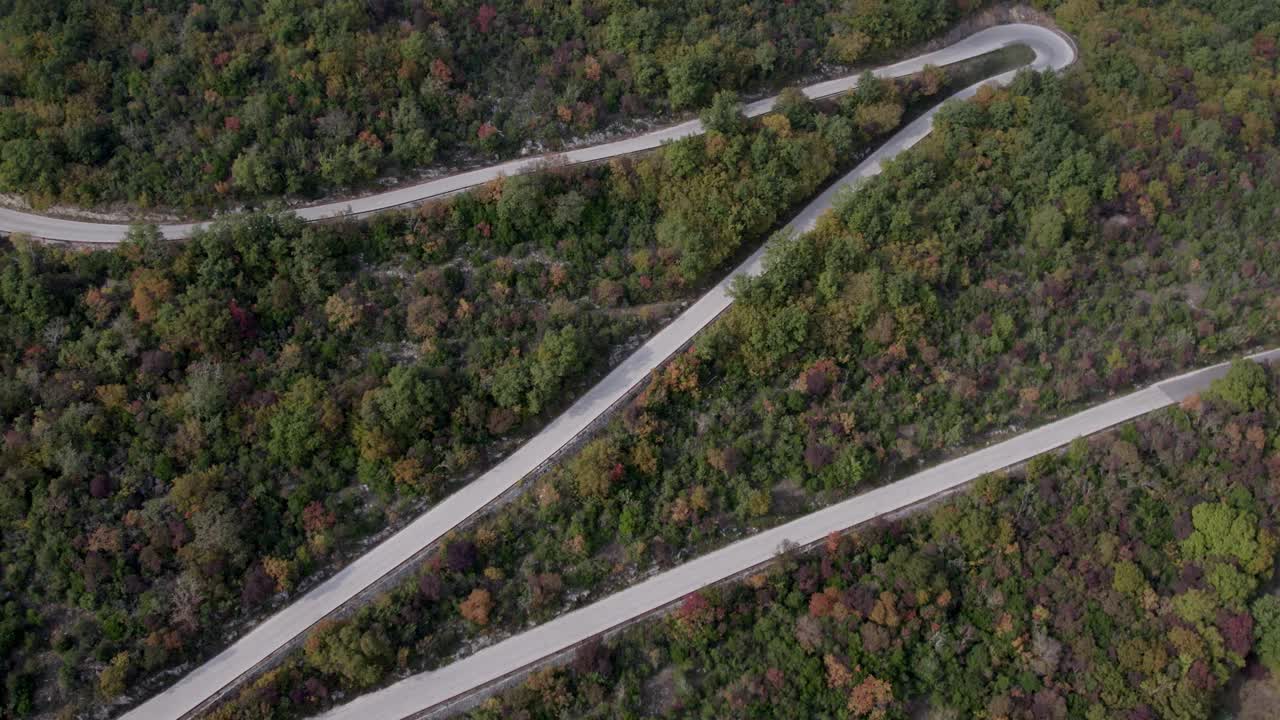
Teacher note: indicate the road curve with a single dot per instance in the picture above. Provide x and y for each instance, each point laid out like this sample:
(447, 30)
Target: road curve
(1052, 52)
(431, 689)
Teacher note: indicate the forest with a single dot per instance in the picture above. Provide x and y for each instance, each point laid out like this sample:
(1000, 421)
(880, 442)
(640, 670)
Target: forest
(1049, 244)
(1124, 577)
(195, 433)
(183, 105)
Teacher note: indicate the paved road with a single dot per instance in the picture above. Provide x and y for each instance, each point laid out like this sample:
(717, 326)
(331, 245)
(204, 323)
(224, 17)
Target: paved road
(1052, 52)
(429, 689)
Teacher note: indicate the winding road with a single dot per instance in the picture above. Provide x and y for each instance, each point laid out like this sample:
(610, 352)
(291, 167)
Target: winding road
(1052, 52)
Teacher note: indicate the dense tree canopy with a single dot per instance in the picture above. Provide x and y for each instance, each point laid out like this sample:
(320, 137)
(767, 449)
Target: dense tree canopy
(1079, 587)
(1048, 244)
(192, 432)
(190, 104)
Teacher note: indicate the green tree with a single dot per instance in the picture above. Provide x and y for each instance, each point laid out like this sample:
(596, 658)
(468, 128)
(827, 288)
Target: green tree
(1046, 228)
(27, 164)
(724, 115)
(689, 77)
(254, 173)
(1245, 386)
(1266, 629)
(301, 425)
(558, 356)
(360, 655)
(113, 679)
(594, 468)
(408, 405)
(1221, 531)
(1232, 586)
(1128, 578)
(797, 108)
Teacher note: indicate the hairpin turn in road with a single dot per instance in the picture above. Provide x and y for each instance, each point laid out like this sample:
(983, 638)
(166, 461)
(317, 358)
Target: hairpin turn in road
(208, 681)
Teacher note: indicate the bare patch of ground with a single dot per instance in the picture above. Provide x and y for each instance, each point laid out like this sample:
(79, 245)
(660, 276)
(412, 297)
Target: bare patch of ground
(650, 311)
(659, 693)
(1253, 695)
(1195, 294)
(788, 498)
